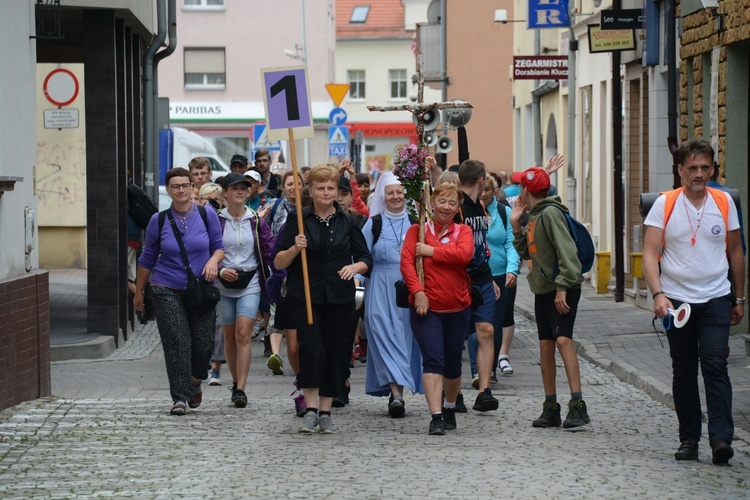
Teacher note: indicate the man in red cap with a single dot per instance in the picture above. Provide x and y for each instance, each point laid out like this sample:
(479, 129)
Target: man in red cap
(555, 279)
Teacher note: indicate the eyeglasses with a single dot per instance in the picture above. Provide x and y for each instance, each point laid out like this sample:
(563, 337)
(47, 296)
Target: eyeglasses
(177, 187)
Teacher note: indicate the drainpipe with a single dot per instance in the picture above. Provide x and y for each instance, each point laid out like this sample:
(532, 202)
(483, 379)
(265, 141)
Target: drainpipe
(672, 140)
(536, 107)
(172, 34)
(152, 177)
(572, 91)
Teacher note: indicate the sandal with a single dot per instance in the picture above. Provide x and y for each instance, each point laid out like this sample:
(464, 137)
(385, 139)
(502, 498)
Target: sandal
(197, 395)
(505, 367)
(179, 408)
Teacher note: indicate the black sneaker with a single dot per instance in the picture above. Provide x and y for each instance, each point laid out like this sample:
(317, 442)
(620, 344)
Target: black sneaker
(233, 389)
(239, 398)
(577, 415)
(485, 401)
(437, 426)
(722, 452)
(338, 402)
(550, 416)
(396, 408)
(460, 405)
(688, 450)
(449, 419)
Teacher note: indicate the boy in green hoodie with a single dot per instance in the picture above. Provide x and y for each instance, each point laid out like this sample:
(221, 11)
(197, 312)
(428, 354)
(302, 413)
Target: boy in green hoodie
(555, 279)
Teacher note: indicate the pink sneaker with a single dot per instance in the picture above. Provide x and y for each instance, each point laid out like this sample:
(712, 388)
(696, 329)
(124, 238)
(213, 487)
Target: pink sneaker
(299, 405)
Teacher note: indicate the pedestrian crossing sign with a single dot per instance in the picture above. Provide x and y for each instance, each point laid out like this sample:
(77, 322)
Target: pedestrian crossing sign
(338, 136)
(260, 138)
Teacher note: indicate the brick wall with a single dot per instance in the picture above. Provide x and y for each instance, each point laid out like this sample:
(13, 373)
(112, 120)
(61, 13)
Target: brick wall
(24, 339)
(700, 36)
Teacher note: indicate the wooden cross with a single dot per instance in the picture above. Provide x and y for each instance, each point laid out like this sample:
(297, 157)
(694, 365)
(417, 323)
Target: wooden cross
(419, 109)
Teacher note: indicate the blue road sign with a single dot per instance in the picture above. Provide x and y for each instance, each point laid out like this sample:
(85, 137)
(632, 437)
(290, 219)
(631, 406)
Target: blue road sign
(337, 116)
(338, 151)
(545, 14)
(260, 138)
(338, 136)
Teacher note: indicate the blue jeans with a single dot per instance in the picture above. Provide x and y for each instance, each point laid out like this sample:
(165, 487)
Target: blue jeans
(703, 340)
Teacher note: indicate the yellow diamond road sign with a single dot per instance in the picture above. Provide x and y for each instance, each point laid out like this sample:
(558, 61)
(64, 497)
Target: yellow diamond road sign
(337, 91)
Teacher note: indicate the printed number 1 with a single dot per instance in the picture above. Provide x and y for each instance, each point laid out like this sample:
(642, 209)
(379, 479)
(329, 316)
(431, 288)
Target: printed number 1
(288, 85)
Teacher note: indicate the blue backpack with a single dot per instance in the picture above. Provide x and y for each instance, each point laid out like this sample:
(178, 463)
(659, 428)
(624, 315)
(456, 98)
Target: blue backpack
(583, 241)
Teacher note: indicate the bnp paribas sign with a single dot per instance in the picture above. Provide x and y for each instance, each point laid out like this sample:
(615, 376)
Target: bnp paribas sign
(548, 14)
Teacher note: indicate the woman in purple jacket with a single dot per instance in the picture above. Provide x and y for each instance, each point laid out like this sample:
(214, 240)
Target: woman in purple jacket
(187, 336)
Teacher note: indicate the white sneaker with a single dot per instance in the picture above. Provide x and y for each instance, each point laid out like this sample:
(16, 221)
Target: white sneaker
(505, 367)
(214, 377)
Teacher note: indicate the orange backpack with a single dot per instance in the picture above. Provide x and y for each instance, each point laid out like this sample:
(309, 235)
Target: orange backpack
(718, 196)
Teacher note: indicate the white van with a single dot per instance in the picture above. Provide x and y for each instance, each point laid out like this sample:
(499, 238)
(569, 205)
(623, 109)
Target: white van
(177, 146)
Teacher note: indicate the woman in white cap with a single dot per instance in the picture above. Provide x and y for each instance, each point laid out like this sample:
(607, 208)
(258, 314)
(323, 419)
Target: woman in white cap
(394, 360)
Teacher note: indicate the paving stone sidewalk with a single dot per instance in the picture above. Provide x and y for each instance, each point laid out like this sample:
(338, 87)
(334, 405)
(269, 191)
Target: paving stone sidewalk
(107, 433)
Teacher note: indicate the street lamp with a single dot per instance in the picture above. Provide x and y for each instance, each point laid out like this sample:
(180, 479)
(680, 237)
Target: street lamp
(501, 16)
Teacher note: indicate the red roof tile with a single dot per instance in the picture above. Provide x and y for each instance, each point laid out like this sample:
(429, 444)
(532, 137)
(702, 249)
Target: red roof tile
(384, 20)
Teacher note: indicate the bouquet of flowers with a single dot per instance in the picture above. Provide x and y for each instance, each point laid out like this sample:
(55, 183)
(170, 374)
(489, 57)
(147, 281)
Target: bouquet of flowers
(408, 166)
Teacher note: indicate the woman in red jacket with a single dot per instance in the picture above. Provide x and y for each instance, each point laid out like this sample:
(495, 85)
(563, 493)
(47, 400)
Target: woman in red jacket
(440, 308)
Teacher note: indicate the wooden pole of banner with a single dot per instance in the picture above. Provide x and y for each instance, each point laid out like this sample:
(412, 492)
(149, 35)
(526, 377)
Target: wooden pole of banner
(300, 225)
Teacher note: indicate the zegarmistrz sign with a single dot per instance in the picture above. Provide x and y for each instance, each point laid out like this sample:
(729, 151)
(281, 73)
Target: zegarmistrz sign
(540, 67)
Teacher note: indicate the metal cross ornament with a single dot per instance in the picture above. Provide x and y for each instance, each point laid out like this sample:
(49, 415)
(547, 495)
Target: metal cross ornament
(420, 108)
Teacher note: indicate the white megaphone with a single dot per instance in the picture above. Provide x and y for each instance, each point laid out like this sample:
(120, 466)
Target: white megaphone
(681, 315)
(444, 144)
(430, 139)
(431, 119)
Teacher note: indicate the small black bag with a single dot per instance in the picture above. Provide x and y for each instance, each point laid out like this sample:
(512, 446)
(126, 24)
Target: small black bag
(477, 300)
(402, 294)
(243, 280)
(201, 295)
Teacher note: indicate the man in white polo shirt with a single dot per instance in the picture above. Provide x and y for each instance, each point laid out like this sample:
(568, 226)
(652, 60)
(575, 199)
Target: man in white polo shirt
(693, 235)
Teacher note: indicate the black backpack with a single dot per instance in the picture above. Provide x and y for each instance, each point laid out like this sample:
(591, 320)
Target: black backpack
(140, 206)
(163, 217)
(377, 227)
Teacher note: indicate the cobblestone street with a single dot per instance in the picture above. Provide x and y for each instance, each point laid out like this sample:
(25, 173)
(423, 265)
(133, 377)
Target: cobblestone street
(107, 432)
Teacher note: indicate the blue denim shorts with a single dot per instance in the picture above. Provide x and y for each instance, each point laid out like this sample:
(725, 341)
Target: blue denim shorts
(486, 312)
(230, 308)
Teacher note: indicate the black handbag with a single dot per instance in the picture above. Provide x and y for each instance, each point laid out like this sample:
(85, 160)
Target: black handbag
(402, 294)
(243, 280)
(201, 295)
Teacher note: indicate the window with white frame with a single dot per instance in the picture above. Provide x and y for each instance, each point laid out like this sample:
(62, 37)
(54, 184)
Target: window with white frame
(397, 79)
(203, 5)
(356, 78)
(359, 14)
(205, 69)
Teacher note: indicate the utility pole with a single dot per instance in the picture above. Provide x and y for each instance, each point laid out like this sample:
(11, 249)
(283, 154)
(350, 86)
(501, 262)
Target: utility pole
(619, 195)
